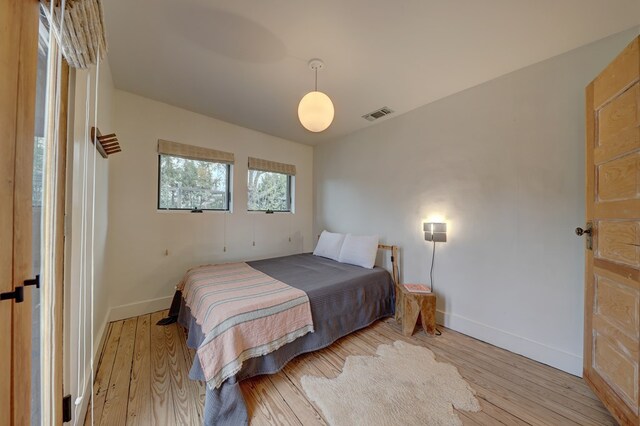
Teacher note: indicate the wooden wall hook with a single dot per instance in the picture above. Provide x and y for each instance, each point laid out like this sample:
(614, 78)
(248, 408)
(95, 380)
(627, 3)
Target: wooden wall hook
(107, 144)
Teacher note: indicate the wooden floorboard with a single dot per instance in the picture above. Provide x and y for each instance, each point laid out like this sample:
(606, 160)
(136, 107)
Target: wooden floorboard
(185, 397)
(196, 390)
(103, 375)
(485, 383)
(143, 371)
(139, 405)
(564, 401)
(162, 410)
(116, 401)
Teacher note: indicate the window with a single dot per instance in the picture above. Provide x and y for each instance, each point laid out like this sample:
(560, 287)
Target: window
(269, 191)
(186, 184)
(270, 185)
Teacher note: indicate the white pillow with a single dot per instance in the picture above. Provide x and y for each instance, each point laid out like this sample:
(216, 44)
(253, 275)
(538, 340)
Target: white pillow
(329, 245)
(360, 250)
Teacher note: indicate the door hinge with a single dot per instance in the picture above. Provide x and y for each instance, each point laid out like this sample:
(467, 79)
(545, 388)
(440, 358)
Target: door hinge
(17, 295)
(34, 281)
(66, 408)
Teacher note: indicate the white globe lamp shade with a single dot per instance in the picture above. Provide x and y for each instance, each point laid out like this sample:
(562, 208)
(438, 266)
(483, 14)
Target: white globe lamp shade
(315, 111)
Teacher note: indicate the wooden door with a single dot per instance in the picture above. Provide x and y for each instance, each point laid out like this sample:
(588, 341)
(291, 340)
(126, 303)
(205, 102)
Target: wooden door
(612, 277)
(19, 32)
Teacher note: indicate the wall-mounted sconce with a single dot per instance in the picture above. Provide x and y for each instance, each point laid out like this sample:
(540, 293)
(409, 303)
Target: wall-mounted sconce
(436, 232)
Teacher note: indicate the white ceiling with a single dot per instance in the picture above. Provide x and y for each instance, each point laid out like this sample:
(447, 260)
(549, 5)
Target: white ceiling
(245, 62)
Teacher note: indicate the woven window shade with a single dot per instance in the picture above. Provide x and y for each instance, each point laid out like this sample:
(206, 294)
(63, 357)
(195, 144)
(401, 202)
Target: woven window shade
(194, 152)
(82, 37)
(271, 166)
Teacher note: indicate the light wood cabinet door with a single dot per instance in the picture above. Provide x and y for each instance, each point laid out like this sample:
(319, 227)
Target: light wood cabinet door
(612, 278)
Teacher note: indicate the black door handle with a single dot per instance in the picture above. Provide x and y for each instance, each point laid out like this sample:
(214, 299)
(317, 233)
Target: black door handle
(580, 231)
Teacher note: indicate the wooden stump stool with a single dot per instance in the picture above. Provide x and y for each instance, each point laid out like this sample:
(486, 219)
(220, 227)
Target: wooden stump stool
(410, 305)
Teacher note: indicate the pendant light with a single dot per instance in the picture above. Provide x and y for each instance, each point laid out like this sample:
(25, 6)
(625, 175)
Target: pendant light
(315, 110)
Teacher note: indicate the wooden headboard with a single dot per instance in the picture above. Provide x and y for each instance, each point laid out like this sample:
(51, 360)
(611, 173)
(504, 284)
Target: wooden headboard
(394, 261)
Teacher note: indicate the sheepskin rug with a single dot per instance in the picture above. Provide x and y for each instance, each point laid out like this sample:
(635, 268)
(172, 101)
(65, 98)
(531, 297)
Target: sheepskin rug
(402, 385)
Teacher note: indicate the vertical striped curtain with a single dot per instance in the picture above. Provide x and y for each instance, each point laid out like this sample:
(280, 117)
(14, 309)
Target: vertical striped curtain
(81, 35)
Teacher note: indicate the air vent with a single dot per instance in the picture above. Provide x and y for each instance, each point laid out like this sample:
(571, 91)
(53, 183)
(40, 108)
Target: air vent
(372, 116)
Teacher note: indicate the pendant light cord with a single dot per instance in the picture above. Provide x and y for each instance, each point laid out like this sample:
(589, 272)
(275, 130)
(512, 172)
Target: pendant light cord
(316, 70)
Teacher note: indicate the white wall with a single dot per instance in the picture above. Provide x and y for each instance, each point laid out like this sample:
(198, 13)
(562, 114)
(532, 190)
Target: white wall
(75, 317)
(140, 276)
(503, 164)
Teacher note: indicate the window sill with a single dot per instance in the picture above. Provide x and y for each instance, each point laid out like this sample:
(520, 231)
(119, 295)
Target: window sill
(265, 212)
(167, 211)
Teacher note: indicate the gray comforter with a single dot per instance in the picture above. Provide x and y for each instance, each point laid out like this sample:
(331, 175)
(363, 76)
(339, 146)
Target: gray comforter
(344, 298)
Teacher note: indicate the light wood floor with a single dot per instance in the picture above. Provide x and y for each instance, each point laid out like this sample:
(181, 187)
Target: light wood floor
(142, 379)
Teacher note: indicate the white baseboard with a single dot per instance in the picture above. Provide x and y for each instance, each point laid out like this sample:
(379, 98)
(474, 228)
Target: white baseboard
(129, 310)
(97, 351)
(537, 351)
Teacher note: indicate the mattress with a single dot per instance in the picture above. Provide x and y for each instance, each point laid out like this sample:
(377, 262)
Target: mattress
(344, 298)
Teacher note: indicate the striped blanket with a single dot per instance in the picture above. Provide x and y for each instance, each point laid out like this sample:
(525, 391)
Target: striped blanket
(243, 314)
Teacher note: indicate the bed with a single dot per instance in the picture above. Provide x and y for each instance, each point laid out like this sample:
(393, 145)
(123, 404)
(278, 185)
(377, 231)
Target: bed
(343, 298)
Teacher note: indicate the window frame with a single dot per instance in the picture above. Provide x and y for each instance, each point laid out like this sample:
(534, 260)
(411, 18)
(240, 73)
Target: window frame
(289, 195)
(198, 210)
